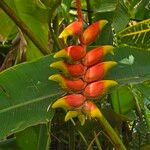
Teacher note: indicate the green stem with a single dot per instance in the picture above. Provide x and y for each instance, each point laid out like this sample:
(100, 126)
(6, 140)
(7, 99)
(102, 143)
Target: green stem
(85, 10)
(52, 30)
(137, 105)
(54, 37)
(10, 12)
(97, 141)
(71, 136)
(116, 141)
(44, 137)
(89, 13)
(137, 108)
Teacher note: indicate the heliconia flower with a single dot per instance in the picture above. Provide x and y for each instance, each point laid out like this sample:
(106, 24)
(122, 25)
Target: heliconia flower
(73, 53)
(98, 88)
(74, 70)
(75, 28)
(70, 85)
(73, 114)
(96, 55)
(70, 102)
(91, 110)
(98, 71)
(92, 32)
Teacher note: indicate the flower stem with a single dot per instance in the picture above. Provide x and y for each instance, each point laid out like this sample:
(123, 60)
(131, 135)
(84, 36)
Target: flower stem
(71, 136)
(79, 11)
(116, 141)
(80, 17)
(89, 11)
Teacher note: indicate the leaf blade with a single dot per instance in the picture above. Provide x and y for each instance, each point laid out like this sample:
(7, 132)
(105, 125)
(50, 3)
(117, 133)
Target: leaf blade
(26, 96)
(137, 36)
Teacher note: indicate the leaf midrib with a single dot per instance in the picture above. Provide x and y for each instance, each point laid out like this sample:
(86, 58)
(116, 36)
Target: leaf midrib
(137, 32)
(27, 103)
(137, 24)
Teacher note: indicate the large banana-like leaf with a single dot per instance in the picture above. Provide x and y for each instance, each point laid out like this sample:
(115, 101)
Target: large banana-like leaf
(26, 92)
(133, 66)
(25, 95)
(137, 35)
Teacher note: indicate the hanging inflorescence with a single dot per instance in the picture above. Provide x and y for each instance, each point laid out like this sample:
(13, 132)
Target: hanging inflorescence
(82, 72)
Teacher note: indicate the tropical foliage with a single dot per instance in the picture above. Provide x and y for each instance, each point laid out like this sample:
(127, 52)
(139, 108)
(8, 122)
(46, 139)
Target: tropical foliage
(29, 37)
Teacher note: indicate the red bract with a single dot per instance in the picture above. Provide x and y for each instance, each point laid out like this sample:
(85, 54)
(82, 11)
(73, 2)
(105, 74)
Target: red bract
(98, 88)
(74, 70)
(70, 85)
(96, 55)
(98, 71)
(73, 53)
(82, 72)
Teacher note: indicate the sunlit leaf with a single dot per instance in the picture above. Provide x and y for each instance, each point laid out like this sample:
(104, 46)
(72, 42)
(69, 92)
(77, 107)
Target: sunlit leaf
(137, 35)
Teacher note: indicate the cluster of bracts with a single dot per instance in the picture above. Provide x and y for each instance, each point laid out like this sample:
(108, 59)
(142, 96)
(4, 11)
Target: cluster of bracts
(82, 72)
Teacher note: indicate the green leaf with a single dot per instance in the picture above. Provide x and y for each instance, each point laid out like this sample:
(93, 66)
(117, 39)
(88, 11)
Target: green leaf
(26, 93)
(44, 137)
(135, 72)
(7, 27)
(103, 39)
(121, 17)
(32, 15)
(144, 89)
(116, 14)
(140, 9)
(100, 6)
(116, 118)
(25, 96)
(144, 101)
(27, 139)
(137, 35)
(122, 100)
(33, 138)
(9, 144)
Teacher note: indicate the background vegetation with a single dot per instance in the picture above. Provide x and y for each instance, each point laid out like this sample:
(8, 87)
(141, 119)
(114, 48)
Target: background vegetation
(29, 30)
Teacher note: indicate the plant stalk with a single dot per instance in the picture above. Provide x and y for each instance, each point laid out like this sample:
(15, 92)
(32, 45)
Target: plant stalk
(71, 136)
(10, 12)
(80, 18)
(89, 12)
(116, 141)
(79, 11)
